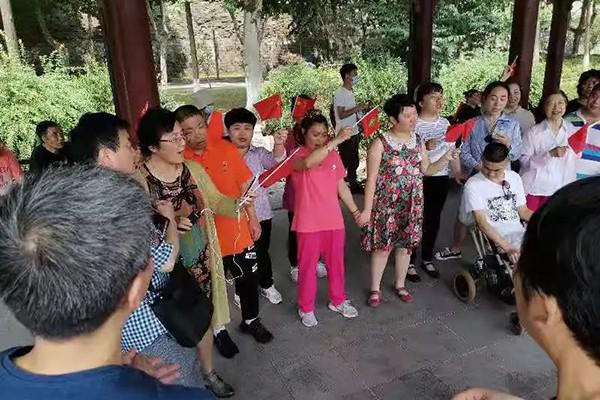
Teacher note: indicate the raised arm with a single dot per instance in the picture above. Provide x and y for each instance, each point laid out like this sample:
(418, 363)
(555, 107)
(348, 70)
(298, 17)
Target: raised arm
(316, 157)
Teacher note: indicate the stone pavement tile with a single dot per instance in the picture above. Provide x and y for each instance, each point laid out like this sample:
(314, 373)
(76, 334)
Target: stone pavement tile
(420, 384)
(366, 394)
(327, 376)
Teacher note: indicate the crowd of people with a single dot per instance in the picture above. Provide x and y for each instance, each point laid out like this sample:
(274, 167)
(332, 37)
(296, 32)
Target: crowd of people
(175, 215)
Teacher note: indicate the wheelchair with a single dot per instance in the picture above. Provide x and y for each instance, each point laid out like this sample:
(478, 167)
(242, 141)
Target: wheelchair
(491, 270)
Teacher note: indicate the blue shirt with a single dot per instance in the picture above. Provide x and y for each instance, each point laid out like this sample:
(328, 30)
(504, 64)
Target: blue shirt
(472, 149)
(110, 382)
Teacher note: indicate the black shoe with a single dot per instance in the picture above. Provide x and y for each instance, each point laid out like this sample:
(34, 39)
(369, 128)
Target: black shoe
(225, 345)
(412, 275)
(217, 386)
(257, 330)
(430, 269)
(515, 325)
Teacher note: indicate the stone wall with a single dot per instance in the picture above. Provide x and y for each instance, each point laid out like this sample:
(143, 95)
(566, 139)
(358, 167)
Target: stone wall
(209, 16)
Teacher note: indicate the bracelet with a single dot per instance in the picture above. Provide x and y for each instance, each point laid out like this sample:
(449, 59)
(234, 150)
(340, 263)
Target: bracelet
(355, 211)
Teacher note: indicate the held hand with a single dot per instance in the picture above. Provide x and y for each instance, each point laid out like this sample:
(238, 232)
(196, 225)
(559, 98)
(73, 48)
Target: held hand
(249, 199)
(558, 152)
(280, 137)
(452, 154)
(363, 218)
(184, 224)
(483, 394)
(512, 252)
(500, 138)
(363, 106)
(460, 179)
(153, 366)
(343, 135)
(508, 72)
(432, 144)
(165, 208)
(255, 230)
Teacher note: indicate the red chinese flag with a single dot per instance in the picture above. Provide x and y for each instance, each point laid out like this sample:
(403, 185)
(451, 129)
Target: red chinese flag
(370, 122)
(460, 131)
(578, 140)
(277, 172)
(216, 127)
(269, 108)
(302, 106)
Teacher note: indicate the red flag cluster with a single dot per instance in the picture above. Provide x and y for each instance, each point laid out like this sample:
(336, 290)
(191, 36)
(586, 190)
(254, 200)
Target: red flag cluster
(269, 108)
(460, 131)
(302, 106)
(370, 122)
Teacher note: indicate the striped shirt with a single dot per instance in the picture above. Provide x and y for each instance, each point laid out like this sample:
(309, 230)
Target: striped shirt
(589, 162)
(429, 130)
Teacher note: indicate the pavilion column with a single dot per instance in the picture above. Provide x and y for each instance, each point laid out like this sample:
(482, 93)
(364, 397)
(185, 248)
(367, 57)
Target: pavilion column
(129, 49)
(556, 44)
(522, 43)
(421, 42)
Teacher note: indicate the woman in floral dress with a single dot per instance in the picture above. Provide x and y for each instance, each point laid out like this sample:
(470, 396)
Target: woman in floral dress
(393, 212)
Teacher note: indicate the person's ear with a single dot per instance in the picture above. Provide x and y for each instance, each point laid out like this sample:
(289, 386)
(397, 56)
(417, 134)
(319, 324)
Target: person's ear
(393, 120)
(104, 157)
(552, 312)
(139, 287)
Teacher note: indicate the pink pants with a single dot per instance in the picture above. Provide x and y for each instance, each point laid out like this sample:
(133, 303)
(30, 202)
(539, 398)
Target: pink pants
(535, 202)
(312, 246)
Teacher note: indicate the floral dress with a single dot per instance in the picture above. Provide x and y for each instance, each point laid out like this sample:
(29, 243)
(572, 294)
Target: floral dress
(397, 216)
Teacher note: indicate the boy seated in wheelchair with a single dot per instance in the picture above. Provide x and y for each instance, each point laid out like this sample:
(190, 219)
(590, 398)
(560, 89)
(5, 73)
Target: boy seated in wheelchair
(494, 200)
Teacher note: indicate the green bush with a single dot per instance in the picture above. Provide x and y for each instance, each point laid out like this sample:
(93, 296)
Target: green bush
(59, 94)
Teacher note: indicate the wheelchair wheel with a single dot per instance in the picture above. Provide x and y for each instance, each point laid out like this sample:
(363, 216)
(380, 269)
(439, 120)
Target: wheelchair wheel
(465, 287)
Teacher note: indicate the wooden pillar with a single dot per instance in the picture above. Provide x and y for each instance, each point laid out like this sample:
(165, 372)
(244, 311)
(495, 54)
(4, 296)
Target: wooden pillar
(129, 49)
(421, 43)
(556, 44)
(522, 43)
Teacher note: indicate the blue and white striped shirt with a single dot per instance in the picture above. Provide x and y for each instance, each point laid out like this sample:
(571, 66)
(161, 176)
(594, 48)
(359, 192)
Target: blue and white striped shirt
(589, 162)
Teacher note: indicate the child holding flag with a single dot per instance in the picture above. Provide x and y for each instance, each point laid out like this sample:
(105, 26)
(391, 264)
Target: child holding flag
(318, 180)
(240, 124)
(393, 213)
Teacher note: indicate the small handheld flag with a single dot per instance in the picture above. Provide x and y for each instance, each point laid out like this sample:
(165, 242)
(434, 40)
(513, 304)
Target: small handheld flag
(269, 108)
(369, 122)
(578, 140)
(302, 106)
(460, 131)
(278, 172)
(216, 126)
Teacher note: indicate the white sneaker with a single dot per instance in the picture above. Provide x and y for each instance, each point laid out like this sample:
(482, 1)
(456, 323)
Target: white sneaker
(346, 309)
(272, 294)
(308, 319)
(236, 301)
(294, 274)
(321, 269)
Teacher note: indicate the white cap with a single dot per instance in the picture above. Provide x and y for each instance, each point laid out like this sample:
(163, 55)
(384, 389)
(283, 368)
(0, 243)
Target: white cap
(201, 98)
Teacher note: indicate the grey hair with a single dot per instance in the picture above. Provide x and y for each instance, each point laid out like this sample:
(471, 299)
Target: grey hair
(72, 240)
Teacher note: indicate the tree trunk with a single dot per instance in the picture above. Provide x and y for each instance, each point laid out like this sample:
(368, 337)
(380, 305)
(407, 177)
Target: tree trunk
(587, 36)
(192, 38)
(579, 31)
(10, 33)
(254, 70)
(536, 45)
(162, 44)
(216, 48)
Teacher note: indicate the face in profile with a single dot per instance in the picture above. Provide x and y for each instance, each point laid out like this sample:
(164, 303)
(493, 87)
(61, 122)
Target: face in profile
(54, 138)
(195, 131)
(172, 145)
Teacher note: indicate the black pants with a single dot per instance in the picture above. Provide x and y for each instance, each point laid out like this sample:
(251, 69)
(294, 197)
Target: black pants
(435, 191)
(292, 243)
(243, 268)
(265, 268)
(349, 154)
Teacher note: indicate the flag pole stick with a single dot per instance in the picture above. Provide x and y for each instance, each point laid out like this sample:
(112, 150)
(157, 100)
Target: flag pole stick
(294, 108)
(279, 166)
(364, 116)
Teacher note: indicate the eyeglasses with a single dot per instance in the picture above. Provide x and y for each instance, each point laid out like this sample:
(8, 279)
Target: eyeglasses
(177, 138)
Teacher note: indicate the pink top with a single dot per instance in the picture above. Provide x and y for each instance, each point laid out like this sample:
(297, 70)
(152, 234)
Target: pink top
(288, 190)
(10, 169)
(317, 207)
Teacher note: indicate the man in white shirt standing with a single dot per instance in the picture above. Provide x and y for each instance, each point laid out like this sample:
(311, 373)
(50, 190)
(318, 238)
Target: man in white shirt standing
(495, 200)
(345, 110)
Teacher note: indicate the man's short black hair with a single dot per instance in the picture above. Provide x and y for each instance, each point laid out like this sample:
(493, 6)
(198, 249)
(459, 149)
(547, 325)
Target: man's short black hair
(42, 128)
(396, 104)
(93, 132)
(153, 125)
(425, 89)
(495, 152)
(560, 257)
(347, 68)
(187, 111)
(239, 116)
(72, 239)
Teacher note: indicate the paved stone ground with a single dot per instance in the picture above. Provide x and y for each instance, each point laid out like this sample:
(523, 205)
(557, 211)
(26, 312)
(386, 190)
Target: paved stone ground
(426, 350)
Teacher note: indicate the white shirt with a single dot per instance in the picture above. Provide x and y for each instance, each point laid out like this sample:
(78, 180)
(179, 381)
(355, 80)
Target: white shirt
(500, 204)
(524, 117)
(344, 98)
(543, 174)
(428, 130)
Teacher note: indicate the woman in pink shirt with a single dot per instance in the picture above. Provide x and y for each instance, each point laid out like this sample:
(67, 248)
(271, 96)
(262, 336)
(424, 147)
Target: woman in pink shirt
(318, 181)
(10, 169)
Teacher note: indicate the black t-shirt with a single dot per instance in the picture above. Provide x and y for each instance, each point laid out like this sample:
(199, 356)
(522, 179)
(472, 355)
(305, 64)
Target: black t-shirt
(104, 383)
(41, 158)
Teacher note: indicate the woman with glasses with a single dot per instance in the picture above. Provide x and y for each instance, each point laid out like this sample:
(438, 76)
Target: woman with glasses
(195, 200)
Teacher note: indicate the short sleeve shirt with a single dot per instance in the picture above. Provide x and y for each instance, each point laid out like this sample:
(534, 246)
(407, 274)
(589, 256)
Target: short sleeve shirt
(428, 130)
(316, 203)
(228, 171)
(344, 98)
(259, 160)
